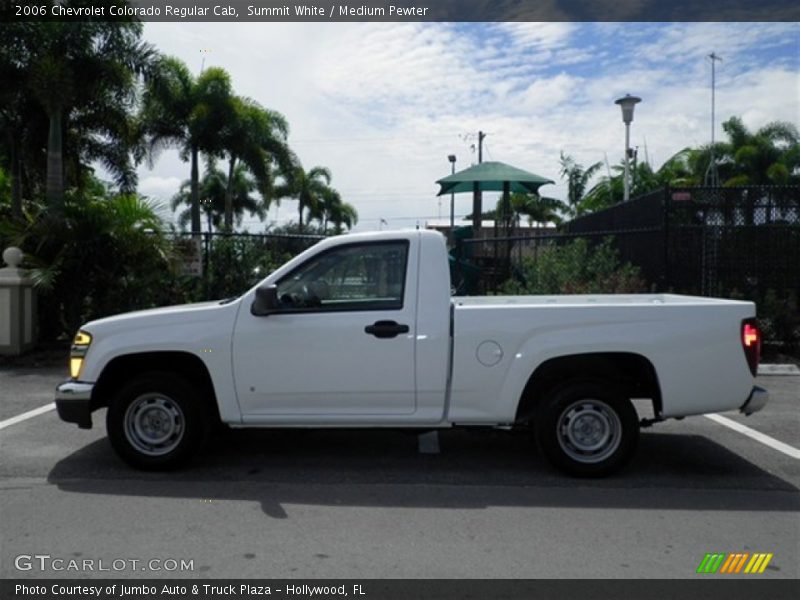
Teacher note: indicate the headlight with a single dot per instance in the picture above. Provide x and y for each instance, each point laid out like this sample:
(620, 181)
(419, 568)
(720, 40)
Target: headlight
(82, 339)
(79, 347)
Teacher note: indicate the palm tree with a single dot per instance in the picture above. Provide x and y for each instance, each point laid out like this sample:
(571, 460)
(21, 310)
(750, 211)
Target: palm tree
(187, 112)
(214, 189)
(256, 137)
(343, 214)
(19, 126)
(537, 209)
(682, 169)
(82, 75)
(609, 190)
(333, 210)
(578, 180)
(769, 156)
(20, 115)
(307, 187)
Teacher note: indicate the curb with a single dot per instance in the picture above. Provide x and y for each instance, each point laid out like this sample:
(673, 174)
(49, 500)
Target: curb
(776, 369)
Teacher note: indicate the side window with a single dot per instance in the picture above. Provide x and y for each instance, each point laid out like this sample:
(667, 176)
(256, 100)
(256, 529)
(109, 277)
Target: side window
(354, 277)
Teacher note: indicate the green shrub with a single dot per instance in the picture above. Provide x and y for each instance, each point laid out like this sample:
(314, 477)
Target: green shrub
(779, 318)
(100, 254)
(576, 268)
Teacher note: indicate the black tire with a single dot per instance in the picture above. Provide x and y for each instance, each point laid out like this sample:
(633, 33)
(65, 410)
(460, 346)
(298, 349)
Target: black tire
(157, 421)
(587, 428)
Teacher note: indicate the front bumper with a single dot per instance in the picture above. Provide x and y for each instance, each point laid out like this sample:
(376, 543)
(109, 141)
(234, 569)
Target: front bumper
(74, 403)
(756, 401)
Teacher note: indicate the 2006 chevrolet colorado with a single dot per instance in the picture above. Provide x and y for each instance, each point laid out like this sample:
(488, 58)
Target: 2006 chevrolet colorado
(361, 331)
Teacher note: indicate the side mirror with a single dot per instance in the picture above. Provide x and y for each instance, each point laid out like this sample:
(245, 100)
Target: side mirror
(266, 301)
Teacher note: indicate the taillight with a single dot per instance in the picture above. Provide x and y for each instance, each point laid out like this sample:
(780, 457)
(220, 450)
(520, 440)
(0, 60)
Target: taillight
(751, 343)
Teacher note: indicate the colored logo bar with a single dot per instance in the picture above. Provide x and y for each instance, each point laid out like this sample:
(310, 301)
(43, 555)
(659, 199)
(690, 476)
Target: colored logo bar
(735, 562)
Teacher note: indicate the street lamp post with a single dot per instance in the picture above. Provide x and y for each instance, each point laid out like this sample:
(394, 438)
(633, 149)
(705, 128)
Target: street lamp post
(452, 159)
(627, 103)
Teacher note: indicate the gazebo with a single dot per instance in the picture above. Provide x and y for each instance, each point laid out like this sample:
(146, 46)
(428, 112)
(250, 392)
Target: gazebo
(491, 177)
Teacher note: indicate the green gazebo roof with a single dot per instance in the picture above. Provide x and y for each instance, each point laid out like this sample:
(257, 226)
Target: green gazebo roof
(490, 177)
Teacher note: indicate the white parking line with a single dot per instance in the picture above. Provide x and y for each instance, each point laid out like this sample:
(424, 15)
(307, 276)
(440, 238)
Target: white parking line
(27, 415)
(757, 436)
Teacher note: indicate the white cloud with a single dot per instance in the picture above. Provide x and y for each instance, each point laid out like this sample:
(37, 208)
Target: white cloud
(383, 105)
(544, 95)
(161, 188)
(544, 37)
(690, 42)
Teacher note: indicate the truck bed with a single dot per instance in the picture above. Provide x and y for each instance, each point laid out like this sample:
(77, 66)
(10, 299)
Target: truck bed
(693, 343)
(592, 300)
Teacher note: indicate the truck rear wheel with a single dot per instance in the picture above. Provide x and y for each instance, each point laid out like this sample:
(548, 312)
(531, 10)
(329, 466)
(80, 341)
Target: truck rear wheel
(156, 421)
(587, 428)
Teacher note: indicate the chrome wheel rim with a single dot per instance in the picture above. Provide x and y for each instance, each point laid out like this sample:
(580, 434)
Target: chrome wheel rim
(154, 424)
(589, 431)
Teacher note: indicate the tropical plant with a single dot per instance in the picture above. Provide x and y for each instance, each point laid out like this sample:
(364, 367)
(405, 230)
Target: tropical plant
(187, 112)
(255, 137)
(537, 209)
(81, 75)
(578, 179)
(307, 187)
(215, 190)
(333, 210)
(609, 191)
(683, 169)
(107, 255)
(23, 124)
(532, 207)
(341, 214)
(770, 155)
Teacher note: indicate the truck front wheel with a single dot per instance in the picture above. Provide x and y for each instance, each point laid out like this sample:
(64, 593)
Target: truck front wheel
(156, 421)
(588, 429)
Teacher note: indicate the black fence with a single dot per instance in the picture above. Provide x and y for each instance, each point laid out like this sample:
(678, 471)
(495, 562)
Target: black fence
(218, 265)
(727, 242)
(279, 246)
(710, 241)
(554, 262)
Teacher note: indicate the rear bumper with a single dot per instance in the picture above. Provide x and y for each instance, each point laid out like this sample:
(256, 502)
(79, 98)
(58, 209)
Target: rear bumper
(756, 401)
(74, 403)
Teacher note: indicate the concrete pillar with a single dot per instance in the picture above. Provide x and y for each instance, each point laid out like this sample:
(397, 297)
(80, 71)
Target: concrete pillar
(17, 306)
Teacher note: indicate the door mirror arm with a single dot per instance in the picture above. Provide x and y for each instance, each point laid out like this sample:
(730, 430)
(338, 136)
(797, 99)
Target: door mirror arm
(266, 301)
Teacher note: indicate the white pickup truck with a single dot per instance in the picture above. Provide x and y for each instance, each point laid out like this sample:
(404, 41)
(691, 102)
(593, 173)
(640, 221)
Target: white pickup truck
(361, 331)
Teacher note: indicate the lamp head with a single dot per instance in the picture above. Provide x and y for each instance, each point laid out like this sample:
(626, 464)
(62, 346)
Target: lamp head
(627, 103)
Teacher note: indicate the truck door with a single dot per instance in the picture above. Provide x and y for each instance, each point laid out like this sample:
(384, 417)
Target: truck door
(342, 342)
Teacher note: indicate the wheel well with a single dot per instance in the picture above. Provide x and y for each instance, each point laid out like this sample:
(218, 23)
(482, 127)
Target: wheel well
(123, 368)
(633, 372)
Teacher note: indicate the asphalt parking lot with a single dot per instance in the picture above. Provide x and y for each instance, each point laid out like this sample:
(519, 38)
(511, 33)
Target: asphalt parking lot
(319, 504)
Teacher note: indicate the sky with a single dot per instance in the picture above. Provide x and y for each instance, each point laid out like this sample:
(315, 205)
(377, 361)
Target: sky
(382, 105)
